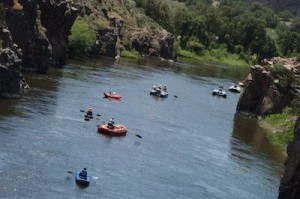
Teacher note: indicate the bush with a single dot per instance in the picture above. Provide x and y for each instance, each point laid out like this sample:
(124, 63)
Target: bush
(194, 45)
(284, 125)
(296, 105)
(133, 54)
(298, 57)
(82, 37)
(279, 70)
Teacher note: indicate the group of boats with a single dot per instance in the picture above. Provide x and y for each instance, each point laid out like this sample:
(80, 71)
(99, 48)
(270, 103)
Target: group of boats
(221, 93)
(112, 129)
(119, 129)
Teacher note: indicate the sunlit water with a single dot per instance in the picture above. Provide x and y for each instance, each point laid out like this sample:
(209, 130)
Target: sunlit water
(192, 146)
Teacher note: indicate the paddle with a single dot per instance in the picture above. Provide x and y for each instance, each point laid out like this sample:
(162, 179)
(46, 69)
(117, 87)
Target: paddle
(84, 112)
(94, 177)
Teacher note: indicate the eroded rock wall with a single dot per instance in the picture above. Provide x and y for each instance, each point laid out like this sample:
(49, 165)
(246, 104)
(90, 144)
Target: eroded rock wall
(41, 29)
(11, 80)
(261, 95)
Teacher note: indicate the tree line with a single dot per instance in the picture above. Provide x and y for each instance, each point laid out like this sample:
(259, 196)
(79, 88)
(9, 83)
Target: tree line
(254, 32)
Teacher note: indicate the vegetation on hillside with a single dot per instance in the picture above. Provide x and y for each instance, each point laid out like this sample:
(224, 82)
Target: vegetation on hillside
(82, 37)
(205, 25)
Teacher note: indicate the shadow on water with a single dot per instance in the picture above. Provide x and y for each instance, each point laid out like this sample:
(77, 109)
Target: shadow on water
(249, 140)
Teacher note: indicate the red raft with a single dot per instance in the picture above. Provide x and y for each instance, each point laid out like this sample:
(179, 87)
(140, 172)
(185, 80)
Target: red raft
(113, 96)
(118, 130)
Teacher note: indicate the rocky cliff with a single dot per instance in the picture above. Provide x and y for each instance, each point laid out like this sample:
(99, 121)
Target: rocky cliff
(40, 29)
(121, 26)
(263, 92)
(11, 79)
(290, 181)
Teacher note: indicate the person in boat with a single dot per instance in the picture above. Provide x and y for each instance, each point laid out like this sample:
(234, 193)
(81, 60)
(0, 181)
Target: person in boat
(111, 123)
(220, 89)
(159, 87)
(83, 173)
(164, 88)
(89, 112)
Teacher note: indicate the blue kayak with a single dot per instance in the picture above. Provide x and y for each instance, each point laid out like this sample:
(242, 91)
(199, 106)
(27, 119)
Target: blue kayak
(82, 181)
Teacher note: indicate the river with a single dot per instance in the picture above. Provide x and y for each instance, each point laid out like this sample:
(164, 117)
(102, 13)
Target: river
(192, 144)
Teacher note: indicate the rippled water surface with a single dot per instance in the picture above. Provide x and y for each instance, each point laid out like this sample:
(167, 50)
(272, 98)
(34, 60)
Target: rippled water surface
(192, 146)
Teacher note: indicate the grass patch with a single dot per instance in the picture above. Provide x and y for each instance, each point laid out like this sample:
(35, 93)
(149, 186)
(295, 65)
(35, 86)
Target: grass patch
(132, 54)
(215, 56)
(280, 127)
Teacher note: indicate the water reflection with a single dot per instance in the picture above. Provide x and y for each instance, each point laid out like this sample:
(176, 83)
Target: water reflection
(249, 143)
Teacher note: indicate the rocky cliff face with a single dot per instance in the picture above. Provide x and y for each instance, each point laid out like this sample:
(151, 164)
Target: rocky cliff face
(40, 29)
(290, 181)
(11, 79)
(261, 95)
(117, 28)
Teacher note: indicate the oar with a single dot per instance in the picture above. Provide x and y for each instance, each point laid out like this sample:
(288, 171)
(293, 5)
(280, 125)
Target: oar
(84, 112)
(94, 177)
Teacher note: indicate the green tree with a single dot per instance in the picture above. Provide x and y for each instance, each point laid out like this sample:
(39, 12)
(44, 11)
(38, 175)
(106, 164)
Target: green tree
(82, 37)
(289, 42)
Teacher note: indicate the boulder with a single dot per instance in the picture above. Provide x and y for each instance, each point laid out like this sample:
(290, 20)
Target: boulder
(11, 79)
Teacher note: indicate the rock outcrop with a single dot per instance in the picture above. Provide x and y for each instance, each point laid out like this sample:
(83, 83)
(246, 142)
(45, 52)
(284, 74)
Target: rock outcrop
(261, 95)
(290, 181)
(154, 42)
(40, 29)
(117, 31)
(57, 18)
(11, 79)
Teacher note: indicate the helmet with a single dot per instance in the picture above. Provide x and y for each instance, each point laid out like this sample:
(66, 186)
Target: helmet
(90, 109)
(84, 168)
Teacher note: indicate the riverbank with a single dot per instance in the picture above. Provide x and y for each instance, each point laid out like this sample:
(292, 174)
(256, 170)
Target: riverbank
(218, 56)
(280, 128)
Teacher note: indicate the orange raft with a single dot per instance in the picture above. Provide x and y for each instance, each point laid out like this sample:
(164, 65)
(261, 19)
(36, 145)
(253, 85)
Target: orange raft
(113, 96)
(117, 130)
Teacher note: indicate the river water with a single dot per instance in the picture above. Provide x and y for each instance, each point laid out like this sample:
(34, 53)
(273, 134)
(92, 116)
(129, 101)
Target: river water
(192, 145)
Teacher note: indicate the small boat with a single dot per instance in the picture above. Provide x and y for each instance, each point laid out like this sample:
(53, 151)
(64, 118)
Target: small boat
(234, 89)
(82, 181)
(88, 117)
(219, 92)
(159, 93)
(117, 130)
(112, 95)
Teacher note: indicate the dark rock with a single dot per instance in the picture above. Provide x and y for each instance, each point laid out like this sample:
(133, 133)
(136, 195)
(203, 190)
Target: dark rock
(290, 181)
(58, 19)
(11, 79)
(261, 95)
(154, 42)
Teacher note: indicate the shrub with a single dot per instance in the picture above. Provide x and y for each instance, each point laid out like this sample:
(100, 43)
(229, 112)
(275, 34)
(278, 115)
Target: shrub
(283, 125)
(194, 45)
(132, 54)
(82, 37)
(298, 57)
